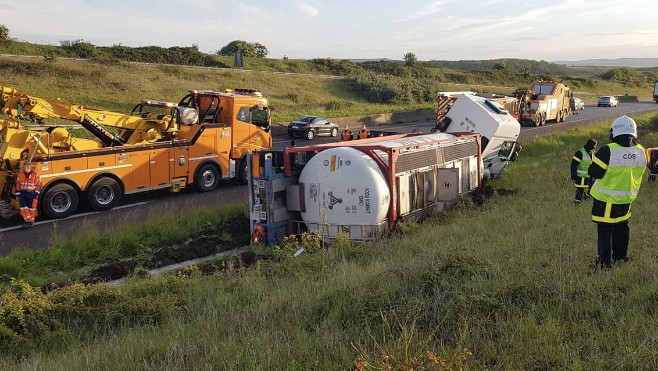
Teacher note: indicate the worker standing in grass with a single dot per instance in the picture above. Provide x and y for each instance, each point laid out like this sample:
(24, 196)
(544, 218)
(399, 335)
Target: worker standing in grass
(579, 166)
(618, 169)
(28, 187)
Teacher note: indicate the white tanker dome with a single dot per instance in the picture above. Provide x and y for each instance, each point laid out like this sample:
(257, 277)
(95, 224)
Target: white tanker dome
(344, 186)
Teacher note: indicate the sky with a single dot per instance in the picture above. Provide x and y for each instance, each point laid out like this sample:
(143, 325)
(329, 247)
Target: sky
(353, 29)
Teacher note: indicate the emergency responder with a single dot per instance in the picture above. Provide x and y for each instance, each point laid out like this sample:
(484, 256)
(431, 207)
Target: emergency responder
(617, 168)
(579, 164)
(652, 158)
(28, 187)
(364, 132)
(347, 133)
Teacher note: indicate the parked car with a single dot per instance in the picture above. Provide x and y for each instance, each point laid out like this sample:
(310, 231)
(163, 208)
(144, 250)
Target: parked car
(608, 100)
(576, 104)
(310, 126)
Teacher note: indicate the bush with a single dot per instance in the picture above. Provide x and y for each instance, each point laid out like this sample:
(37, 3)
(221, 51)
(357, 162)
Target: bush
(31, 319)
(337, 106)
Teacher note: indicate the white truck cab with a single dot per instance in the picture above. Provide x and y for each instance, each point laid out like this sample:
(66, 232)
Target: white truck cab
(499, 130)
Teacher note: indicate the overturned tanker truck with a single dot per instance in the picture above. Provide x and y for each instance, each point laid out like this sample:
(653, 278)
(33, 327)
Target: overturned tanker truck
(362, 188)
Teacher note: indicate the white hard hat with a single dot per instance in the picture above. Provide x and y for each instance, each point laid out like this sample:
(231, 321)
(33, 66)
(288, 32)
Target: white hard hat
(623, 125)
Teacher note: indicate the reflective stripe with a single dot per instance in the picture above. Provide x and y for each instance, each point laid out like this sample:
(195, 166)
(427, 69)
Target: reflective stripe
(628, 156)
(601, 164)
(603, 219)
(28, 182)
(582, 183)
(612, 192)
(606, 215)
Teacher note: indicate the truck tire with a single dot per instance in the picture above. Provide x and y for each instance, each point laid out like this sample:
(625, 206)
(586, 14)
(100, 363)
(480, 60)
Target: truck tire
(207, 178)
(60, 201)
(242, 172)
(104, 194)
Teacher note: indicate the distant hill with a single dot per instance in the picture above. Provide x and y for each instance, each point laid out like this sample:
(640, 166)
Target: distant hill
(619, 62)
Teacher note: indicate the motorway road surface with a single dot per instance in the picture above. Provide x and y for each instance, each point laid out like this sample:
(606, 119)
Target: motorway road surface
(136, 209)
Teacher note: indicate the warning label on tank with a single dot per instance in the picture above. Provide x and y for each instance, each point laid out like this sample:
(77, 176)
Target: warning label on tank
(313, 192)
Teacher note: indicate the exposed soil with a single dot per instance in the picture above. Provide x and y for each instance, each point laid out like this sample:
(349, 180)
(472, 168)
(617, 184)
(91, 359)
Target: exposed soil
(202, 246)
(482, 195)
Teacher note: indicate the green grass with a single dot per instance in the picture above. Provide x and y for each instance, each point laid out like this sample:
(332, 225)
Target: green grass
(74, 257)
(506, 285)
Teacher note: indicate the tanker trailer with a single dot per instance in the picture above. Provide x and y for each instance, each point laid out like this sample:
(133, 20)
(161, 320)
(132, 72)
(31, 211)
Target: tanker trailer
(360, 189)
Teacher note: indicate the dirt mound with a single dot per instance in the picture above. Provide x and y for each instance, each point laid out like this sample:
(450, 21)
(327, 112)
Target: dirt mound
(482, 195)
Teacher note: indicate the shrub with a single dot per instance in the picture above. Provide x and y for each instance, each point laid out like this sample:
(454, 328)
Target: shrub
(31, 319)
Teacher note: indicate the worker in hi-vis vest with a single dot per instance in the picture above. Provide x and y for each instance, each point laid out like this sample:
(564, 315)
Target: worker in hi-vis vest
(579, 165)
(617, 168)
(28, 187)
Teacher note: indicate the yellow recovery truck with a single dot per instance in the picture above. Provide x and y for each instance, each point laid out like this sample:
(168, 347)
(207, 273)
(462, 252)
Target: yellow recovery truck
(544, 101)
(159, 145)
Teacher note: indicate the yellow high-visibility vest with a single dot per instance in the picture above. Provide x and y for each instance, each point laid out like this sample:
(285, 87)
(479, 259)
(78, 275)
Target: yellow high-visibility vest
(623, 174)
(583, 164)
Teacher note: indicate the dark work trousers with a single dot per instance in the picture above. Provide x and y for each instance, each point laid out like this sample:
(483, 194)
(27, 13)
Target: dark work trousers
(582, 194)
(613, 241)
(583, 185)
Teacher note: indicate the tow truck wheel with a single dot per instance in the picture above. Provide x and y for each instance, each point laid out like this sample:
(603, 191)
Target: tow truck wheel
(243, 176)
(104, 194)
(207, 178)
(60, 201)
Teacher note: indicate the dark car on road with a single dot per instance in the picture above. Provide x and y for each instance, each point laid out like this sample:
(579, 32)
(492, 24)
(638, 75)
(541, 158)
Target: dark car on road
(310, 126)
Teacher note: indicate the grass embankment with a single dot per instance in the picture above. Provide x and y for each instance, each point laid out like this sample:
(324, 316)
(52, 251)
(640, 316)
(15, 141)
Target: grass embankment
(509, 284)
(119, 87)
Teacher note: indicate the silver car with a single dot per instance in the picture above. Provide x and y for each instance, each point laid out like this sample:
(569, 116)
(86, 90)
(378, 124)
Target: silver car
(608, 101)
(576, 104)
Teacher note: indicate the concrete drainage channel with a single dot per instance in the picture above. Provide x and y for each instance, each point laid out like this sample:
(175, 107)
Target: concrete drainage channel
(180, 265)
